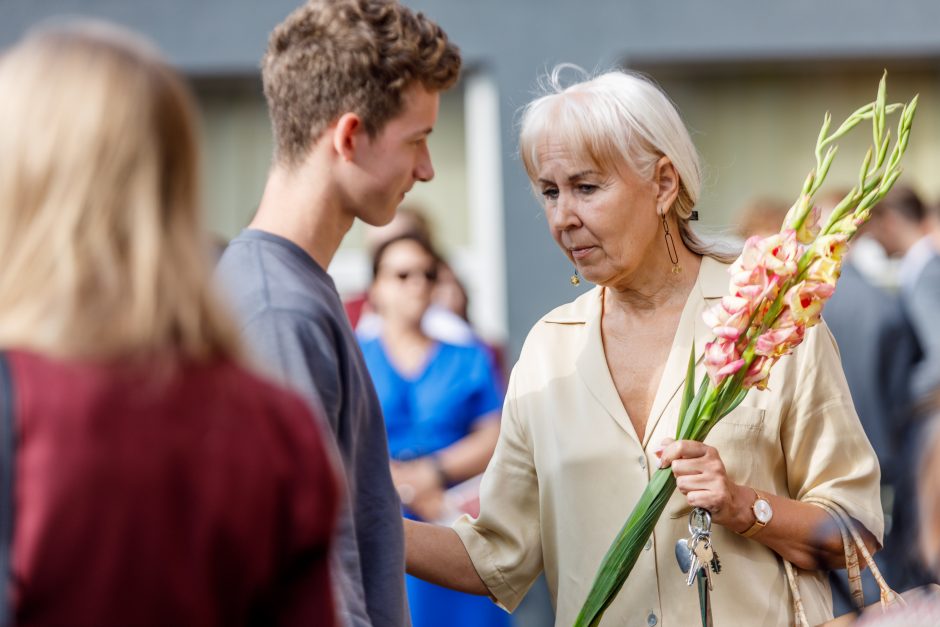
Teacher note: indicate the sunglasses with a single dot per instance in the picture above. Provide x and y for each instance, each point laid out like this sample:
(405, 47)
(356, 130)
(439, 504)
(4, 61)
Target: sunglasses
(428, 275)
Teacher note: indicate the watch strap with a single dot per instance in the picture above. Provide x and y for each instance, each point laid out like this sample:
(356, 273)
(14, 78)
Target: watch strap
(758, 525)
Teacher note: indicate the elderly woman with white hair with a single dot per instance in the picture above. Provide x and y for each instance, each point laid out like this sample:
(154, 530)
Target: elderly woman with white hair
(596, 395)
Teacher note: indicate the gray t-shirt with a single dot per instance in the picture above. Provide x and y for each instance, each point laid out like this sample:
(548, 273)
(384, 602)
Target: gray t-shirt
(293, 320)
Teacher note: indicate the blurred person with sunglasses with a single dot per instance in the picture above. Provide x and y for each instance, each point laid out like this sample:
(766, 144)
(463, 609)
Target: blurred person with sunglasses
(441, 403)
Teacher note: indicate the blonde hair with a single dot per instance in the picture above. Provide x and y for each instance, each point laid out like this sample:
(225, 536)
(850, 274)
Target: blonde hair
(330, 57)
(103, 254)
(616, 119)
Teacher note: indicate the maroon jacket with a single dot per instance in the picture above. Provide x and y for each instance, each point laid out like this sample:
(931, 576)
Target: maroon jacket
(204, 496)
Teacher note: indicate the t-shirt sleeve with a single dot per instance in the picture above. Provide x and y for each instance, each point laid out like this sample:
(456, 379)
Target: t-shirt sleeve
(828, 456)
(504, 542)
(299, 351)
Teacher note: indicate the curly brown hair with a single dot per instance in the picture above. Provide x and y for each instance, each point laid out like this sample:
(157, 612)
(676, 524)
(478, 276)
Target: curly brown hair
(330, 57)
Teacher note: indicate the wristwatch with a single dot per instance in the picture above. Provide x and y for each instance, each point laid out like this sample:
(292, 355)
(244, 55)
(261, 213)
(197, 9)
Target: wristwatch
(763, 512)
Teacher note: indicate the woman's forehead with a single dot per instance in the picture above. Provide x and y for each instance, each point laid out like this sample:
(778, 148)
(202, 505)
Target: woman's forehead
(559, 156)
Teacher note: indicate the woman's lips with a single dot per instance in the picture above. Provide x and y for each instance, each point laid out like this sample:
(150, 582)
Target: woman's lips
(581, 253)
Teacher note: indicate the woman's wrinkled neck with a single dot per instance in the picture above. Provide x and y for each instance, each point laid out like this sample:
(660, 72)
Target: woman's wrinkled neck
(656, 288)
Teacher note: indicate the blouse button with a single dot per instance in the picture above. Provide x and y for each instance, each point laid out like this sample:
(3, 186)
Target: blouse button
(651, 620)
(642, 460)
(648, 545)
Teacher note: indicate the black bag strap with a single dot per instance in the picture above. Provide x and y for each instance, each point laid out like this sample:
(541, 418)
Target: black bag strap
(7, 468)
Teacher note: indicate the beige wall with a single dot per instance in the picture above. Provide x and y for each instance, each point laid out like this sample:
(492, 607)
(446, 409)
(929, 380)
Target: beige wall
(236, 149)
(444, 199)
(756, 130)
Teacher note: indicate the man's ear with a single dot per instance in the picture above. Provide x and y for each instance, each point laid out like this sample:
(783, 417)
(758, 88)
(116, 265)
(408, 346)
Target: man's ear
(667, 182)
(345, 135)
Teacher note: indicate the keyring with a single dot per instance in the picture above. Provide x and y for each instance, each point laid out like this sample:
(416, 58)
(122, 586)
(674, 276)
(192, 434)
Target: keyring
(700, 514)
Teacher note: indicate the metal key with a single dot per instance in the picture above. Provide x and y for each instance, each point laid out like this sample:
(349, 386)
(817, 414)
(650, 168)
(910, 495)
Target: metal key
(700, 523)
(716, 564)
(701, 554)
(704, 555)
(689, 562)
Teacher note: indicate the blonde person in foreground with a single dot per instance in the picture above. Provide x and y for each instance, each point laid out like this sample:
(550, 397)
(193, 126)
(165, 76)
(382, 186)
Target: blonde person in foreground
(594, 399)
(157, 481)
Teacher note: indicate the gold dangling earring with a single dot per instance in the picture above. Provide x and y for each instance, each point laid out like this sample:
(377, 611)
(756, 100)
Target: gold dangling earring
(671, 247)
(575, 279)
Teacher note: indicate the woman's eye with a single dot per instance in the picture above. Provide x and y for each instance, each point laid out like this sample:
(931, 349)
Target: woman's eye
(550, 193)
(585, 188)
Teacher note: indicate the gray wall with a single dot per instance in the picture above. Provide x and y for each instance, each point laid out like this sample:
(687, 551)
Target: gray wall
(515, 40)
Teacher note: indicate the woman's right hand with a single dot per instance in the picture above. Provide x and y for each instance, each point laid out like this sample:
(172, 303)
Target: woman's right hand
(702, 478)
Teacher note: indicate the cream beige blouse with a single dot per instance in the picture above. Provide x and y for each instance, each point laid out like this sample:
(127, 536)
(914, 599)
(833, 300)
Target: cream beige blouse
(569, 467)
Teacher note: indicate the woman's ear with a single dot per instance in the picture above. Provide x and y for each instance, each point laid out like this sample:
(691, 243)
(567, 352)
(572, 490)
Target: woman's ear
(667, 183)
(345, 135)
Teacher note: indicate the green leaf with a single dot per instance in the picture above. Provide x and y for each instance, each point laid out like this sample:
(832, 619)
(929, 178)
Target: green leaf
(827, 162)
(689, 390)
(883, 151)
(686, 424)
(863, 172)
(878, 120)
(626, 548)
(738, 398)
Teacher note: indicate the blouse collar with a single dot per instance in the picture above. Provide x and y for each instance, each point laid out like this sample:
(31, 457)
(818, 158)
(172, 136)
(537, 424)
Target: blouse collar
(711, 283)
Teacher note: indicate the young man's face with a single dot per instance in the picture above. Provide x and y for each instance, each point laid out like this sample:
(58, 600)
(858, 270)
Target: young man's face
(396, 158)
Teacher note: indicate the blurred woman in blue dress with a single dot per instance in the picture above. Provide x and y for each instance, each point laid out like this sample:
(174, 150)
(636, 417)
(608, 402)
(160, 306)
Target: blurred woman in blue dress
(441, 404)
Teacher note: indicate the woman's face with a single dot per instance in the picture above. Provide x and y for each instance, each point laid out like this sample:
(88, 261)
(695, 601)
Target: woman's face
(404, 281)
(606, 222)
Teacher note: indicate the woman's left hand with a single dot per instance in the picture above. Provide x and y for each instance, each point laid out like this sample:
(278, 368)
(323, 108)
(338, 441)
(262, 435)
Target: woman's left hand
(701, 477)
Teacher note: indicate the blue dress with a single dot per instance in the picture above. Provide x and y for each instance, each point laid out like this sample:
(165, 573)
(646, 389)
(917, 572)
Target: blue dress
(424, 414)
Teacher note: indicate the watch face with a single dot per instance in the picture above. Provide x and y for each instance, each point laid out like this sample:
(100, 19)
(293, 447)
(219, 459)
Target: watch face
(763, 511)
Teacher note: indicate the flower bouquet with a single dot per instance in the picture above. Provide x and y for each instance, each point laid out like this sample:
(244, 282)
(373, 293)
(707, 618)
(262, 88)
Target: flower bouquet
(778, 287)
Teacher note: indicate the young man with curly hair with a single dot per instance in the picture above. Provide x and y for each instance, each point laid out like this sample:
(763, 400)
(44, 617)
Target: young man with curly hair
(353, 92)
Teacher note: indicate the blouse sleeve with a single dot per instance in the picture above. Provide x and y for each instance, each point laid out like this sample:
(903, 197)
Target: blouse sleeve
(504, 542)
(827, 454)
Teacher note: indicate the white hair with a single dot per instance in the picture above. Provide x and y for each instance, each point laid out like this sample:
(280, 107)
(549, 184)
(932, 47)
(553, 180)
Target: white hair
(617, 118)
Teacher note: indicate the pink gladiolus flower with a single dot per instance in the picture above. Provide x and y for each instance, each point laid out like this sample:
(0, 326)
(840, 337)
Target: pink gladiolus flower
(731, 368)
(834, 246)
(729, 318)
(806, 299)
(777, 341)
(758, 373)
(779, 253)
(786, 321)
(721, 359)
(824, 270)
(763, 264)
(749, 279)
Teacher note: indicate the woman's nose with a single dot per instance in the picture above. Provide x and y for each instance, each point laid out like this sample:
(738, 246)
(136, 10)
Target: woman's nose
(564, 214)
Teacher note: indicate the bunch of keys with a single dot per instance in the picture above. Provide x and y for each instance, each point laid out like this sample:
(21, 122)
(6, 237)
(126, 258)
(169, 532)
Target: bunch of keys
(695, 554)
